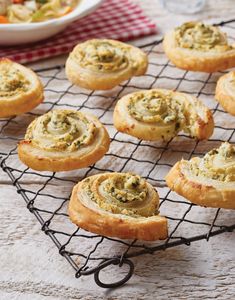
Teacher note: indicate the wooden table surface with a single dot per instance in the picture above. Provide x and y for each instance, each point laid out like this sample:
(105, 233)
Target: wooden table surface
(30, 267)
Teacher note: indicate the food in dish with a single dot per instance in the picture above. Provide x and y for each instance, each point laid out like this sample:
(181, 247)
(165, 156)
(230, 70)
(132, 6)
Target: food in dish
(207, 181)
(27, 11)
(20, 89)
(198, 47)
(161, 114)
(101, 64)
(225, 92)
(63, 140)
(120, 205)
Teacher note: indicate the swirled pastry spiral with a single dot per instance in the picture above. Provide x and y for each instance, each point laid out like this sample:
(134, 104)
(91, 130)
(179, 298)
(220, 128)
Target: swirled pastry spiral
(20, 89)
(121, 205)
(207, 181)
(63, 140)
(161, 114)
(101, 64)
(225, 92)
(198, 47)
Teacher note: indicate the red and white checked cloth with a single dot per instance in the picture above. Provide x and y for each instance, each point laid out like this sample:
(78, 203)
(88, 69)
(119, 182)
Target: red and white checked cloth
(116, 19)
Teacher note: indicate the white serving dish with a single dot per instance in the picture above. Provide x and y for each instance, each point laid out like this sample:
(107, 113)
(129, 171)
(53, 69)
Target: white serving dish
(17, 34)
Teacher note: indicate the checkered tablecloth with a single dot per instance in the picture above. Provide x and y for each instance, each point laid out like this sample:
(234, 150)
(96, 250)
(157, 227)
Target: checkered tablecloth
(116, 19)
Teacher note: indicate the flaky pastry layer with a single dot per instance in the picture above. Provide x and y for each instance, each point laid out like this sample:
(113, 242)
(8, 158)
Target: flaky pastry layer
(119, 205)
(207, 181)
(101, 64)
(199, 47)
(225, 92)
(160, 114)
(63, 140)
(20, 89)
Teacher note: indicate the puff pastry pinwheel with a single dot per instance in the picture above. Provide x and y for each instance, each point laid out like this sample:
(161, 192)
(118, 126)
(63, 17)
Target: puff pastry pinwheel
(63, 140)
(20, 89)
(207, 181)
(198, 47)
(101, 64)
(161, 114)
(225, 92)
(120, 205)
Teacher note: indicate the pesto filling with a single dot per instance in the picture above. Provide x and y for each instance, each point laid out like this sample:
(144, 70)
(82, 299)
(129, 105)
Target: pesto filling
(123, 193)
(217, 164)
(126, 188)
(156, 107)
(61, 130)
(198, 36)
(103, 56)
(12, 82)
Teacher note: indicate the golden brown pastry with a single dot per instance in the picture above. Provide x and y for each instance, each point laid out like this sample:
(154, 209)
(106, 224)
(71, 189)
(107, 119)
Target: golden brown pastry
(225, 92)
(63, 140)
(101, 64)
(20, 89)
(161, 114)
(207, 181)
(120, 205)
(198, 47)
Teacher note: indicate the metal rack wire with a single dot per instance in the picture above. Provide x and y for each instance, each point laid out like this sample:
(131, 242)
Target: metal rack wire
(90, 253)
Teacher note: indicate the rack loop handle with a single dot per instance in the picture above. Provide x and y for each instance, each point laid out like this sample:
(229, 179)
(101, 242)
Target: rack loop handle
(114, 261)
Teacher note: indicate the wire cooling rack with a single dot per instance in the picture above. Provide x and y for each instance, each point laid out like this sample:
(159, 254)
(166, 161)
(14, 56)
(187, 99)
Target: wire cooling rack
(46, 194)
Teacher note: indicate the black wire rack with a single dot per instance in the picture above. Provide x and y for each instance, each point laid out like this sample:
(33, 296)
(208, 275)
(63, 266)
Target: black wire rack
(46, 194)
